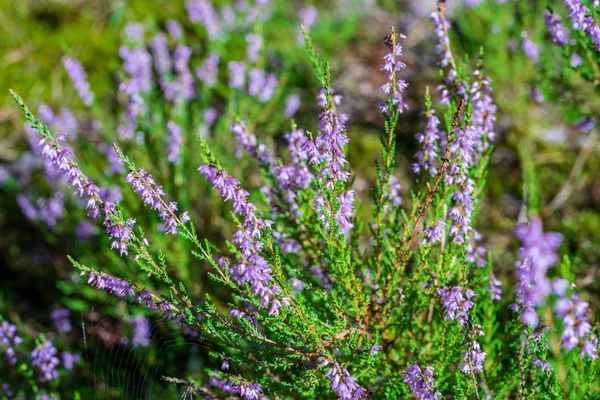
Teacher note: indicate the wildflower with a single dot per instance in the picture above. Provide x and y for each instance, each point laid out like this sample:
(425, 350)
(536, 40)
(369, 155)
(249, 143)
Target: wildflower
(582, 21)
(427, 157)
(69, 360)
(237, 74)
(421, 383)
(141, 331)
(152, 194)
(307, 16)
(134, 33)
(394, 86)
(44, 361)
(184, 82)
(495, 288)
(537, 257)
(376, 349)
(60, 320)
(79, 79)
(9, 341)
(202, 11)
(342, 382)
(175, 30)
(473, 357)
(531, 50)
(209, 70)
(252, 268)
(435, 233)
(292, 104)
(558, 32)
(456, 302)
(254, 45)
(175, 142)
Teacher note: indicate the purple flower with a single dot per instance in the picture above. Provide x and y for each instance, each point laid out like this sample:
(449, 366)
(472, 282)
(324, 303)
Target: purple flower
(203, 12)
(342, 382)
(473, 357)
(184, 82)
(421, 383)
(292, 104)
(44, 361)
(441, 28)
(209, 70)
(9, 341)
(394, 86)
(225, 365)
(251, 267)
(376, 349)
(175, 30)
(247, 141)
(27, 207)
(115, 166)
(435, 233)
(531, 50)
(582, 21)
(160, 52)
(537, 257)
(247, 391)
(134, 33)
(60, 320)
(79, 79)
(456, 302)
(85, 229)
(428, 157)
(558, 33)
(237, 74)
(119, 231)
(152, 194)
(576, 60)
(254, 45)
(495, 288)
(141, 331)
(69, 360)
(175, 142)
(307, 17)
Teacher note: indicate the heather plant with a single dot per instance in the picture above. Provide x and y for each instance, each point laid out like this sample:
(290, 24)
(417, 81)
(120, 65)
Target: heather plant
(305, 298)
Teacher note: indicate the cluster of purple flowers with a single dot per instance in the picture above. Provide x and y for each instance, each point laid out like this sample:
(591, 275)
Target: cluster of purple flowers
(576, 328)
(44, 359)
(79, 79)
(9, 341)
(342, 382)
(435, 233)
(123, 289)
(428, 157)
(538, 255)
(175, 142)
(394, 86)
(473, 357)
(60, 320)
(251, 268)
(456, 302)
(255, 43)
(237, 74)
(141, 331)
(247, 141)
(152, 194)
(203, 12)
(137, 63)
(247, 391)
(558, 32)
(421, 382)
(582, 21)
(261, 84)
(208, 71)
(308, 17)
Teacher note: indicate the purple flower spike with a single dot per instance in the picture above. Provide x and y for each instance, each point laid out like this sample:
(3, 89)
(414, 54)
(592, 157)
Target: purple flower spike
(456, 302)
(558, 32)
(143, 183)
(44, 361)
(237, 74)
(343, 383)
(421, 383)
(79, 79)
(175, 142)
(203, 12)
